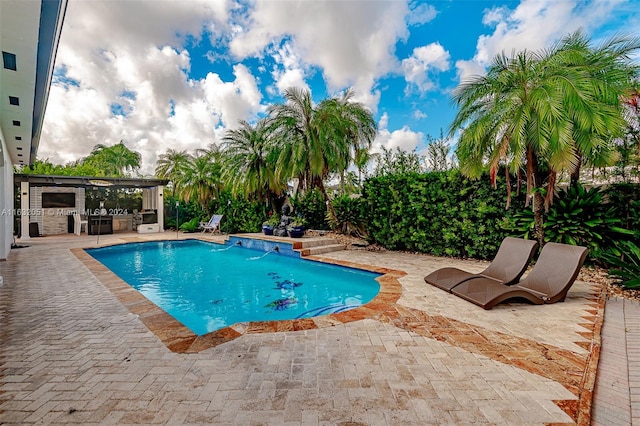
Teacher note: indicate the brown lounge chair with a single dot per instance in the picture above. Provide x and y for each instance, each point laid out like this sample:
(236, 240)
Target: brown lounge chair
(548, 282)
(507, 267)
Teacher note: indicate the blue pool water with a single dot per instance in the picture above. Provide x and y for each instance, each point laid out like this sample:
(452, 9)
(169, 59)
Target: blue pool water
(208, 286)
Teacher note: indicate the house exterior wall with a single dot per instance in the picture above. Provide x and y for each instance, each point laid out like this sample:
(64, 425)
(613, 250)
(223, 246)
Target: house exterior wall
(6, 201)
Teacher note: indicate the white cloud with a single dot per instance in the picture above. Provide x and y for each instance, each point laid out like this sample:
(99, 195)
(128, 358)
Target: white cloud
(419, 115)
(403, 138)
(421, 14)
(423, 61)
(469, 69)
(352, 42)
(233, 101)
(532, 25)
(289, 70)
(132, 59)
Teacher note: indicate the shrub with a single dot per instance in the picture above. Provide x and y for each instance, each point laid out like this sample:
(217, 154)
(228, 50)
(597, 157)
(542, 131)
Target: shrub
(626, 267)
(312, 207)
(186, 212)
(190, 226)
(578, 216)
(349, 216)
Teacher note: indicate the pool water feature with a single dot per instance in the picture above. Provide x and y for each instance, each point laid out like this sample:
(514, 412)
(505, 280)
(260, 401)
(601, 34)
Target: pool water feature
(264, 245)
(207, 286)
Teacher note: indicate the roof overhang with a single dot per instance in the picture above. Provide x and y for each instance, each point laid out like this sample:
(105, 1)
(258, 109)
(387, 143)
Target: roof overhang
(88, 181)
(30, 30)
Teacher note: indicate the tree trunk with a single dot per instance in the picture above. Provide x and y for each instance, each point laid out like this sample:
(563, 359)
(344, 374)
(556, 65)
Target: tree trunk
(538, 217)
(535, 180)
(575, 174)
(320, 185)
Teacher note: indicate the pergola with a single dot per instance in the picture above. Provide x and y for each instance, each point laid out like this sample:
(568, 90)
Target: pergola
(53, 218)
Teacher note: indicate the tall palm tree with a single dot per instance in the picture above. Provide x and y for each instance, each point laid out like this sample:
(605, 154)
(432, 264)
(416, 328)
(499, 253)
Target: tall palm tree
(356, 124)
(116, 160)
(316, 140)
(171, 165)
(249, 162)
(547, 111)
(609, 72)
(199, 179)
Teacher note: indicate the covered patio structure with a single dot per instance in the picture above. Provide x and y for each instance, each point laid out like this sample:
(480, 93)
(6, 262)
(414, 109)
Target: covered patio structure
(47, 205)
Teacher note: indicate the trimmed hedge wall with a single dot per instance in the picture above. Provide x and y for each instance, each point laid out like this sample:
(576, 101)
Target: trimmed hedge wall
(439, 213)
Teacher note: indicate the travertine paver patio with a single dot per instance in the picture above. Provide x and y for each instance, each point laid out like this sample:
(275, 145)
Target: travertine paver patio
(73, 353)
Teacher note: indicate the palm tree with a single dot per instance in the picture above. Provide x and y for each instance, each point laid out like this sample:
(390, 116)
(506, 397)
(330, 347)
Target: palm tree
(357, 125)
(547, 111)
(318, 140)
(249, 160)
(610, 74)
(171, 165)
(199, 179)
(116, 160)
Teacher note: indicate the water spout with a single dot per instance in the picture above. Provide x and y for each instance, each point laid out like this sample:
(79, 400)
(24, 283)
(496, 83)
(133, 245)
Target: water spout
(239, 243)
(276, 249)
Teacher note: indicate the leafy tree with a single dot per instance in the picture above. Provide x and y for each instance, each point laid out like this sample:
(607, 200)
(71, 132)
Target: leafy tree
(359, 128)
(46, 167)
(628, 145)
(545, 112)
(438, 153)
(249, 159)
(171, 164)
(316, 140)
(199, 178)
(116, 160)
(398, 162)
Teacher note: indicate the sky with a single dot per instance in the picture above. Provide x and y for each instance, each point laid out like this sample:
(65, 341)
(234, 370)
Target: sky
(177, 74)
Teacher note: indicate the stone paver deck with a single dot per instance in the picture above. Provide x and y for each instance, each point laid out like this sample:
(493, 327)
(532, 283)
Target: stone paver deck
(73, 350)
(617, 390)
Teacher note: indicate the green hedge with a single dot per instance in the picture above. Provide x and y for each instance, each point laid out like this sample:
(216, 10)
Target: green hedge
(440, 213)
(240, 214)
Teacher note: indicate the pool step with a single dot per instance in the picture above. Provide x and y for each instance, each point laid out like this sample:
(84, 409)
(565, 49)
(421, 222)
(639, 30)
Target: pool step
(307, 246)
(322, 249)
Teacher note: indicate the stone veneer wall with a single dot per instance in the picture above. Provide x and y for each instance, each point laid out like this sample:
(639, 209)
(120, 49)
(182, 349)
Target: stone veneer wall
(53, 221)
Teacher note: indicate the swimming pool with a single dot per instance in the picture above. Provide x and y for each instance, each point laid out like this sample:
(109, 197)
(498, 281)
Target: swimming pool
(207, 286)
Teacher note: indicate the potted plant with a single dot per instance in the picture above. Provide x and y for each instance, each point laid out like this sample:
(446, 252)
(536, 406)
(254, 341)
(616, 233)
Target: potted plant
(269, 225)
(296, 228)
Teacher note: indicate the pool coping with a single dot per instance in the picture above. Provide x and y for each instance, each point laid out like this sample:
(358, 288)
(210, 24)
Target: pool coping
(180, 339)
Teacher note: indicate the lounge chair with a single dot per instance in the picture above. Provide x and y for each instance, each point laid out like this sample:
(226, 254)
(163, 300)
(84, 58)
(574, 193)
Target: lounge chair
(548, 282)
(213, 225)
(507, 267)
(78, 222)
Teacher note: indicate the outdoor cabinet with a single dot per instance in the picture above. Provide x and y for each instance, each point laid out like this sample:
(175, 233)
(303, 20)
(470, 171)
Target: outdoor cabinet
(100, 225)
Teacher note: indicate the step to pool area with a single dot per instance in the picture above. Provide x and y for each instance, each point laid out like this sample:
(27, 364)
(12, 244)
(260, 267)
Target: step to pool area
(297, 247)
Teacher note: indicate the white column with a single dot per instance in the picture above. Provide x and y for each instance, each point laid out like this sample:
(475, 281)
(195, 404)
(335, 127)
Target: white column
(24, 206)
(160, 206)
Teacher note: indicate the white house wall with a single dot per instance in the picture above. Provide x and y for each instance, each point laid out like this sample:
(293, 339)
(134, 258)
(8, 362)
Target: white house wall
(6, 201)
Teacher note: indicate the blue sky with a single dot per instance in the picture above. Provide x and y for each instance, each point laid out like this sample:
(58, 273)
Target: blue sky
(178, 74)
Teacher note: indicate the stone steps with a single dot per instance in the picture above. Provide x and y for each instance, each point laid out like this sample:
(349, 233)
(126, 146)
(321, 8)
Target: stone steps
(322, 249)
